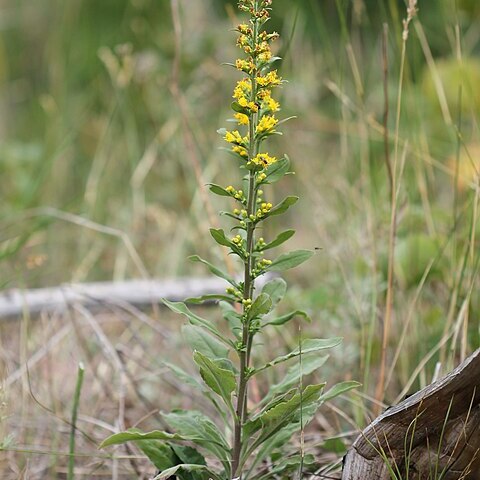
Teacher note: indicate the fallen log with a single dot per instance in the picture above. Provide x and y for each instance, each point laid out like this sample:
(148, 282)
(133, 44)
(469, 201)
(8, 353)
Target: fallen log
(140, 293)
(433, 434)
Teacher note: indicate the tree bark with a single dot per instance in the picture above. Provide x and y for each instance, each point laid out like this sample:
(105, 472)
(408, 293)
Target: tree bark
(433, 431)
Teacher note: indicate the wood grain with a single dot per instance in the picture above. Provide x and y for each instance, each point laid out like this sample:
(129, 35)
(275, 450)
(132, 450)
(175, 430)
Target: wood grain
(436, 429)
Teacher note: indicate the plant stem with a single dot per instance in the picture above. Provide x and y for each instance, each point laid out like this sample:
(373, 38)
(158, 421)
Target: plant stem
(248, 289)
(247, 336)
(76, 401)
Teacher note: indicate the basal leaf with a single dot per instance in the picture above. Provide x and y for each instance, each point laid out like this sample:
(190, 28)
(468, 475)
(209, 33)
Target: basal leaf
(275, 289)
(219, 379)
(201, 340)
(188, 455)
(216, 271)
(290, 260)
(206, 434)
(187, 468)
(183, 376)
(159, 453)
(135, 435)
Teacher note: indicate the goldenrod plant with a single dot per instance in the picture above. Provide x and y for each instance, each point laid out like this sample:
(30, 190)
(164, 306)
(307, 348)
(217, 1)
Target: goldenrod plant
(254, 441)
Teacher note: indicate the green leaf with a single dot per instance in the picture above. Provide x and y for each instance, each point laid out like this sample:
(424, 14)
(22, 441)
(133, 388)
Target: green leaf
(183, 376)
(277, 170)
(185, 467)
(287, 317)
(188, 455)
(219, 236)
(214, 270)
(218, 190)
(192, 381)
(277, 440)
(233, 318)
(209, 298)
(236, 107)
(204, 432)
(159, 453)
(335, 445)
(286, 467)
(275, 289)
(260, 306)
(310, 345)
(290, 260)
(283, 206)
(282, 414)
(282, 238)
(219, 379)
(309, 364)
(135, 435)
(181, 308)
(199, 339)
(339, 389)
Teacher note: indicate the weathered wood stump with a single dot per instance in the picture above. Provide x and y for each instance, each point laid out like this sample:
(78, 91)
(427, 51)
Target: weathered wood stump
(435, 430)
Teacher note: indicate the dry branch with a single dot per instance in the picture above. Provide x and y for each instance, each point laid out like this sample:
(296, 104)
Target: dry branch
(141, 293)
(435, 430)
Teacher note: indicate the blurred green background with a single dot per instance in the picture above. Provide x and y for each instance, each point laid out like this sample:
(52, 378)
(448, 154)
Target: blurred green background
(111, 116)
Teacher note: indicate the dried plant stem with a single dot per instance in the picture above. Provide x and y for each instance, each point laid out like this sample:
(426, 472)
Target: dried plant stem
(387, 322)
(76, 402)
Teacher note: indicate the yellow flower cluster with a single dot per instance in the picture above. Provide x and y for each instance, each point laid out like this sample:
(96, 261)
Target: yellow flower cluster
(246, 66)
(254, 105)
(263, 160)
(266, 124)
(242, 118)
(271, 79)
(235, 137)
